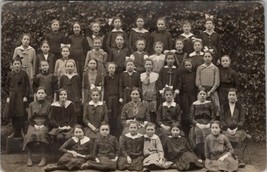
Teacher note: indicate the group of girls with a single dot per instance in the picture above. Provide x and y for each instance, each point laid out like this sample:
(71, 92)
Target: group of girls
(128, 101)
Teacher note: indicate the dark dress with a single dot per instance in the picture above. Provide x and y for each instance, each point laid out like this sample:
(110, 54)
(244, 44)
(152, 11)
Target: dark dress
(83, 147)
(179, 58)
(105, 149)
(50, 59)
(178, 151)
(162, 36)
(62, 116)
(197, 59)
(111, 36)
(139, 61)
(131, 146)
(55, 39)
(188, 44)
(136, 34)
(117, 56)
(94, 113)
(38, 115)
(127, 82)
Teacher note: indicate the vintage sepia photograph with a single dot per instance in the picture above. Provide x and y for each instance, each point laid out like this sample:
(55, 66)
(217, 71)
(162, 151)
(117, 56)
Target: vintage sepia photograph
(133, 86)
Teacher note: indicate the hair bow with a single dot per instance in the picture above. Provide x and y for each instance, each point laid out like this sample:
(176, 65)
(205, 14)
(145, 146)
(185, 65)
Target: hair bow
(130, 58)
(206, 49)
(169, 51)
(64, 45)
(147, 57)
(194, 39)
(207, 16)
(110, 21)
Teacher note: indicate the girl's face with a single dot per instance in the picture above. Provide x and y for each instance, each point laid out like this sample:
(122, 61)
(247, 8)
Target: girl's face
(104, 130)
(188, 65)
(78, 133)
(148, 65)
(215, 129)
(150, 131)
(55, 26)
(92, 64)
(95, 28)
(207, 58)
(175, 132)
(119, 40)
(186, 28)
(45, 48)
(158, 49)
(117, 23)
(63, 96)
(70, 67)
(161, 25)
(111, 69)
(232, 97)
(129, 66)
(170, 60)
(65, 52)
(76, 29)
(135, 95)
(25, 40)
(209, 25)
(140, 45)
(179, 45)
(168, 96)
(95, 96)
(225, 61)
(44, 66)
(97, 44)
(197, 46)
(16, 65)
(140, 23)
(202, 95)
(133, 129)
(40, 95)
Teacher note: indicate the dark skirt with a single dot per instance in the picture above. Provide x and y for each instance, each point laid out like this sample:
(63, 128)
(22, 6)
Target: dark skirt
(136, 165)
(34, 135)
(66, 133)
(16, 106)
(105, 164)
(187, 159)
(71, 162)
(90, 133)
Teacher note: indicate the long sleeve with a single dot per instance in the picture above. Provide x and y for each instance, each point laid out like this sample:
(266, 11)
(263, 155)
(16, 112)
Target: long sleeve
(131, 42)
(15, 53)
(207, 148)
(121, 86)
(192, 115)
(242, 117)
(66, 146)
(108, 41)
(27, 86)
(105, 110)
(159, 148)
(96, 149)
(85, 116)
(198, 82)
(54, 83)
(216, 80)
(178, 113)
(124, 115)
(87, 60)
(85, 45)
(30, 114)
(147, 115)
(56, 69)
(159, 113)
(117, 147)
(228, 145)
(123, 146)
(36, 83)
(169, 39)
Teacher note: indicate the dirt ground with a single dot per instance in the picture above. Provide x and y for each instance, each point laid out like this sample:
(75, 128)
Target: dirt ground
(17, 162)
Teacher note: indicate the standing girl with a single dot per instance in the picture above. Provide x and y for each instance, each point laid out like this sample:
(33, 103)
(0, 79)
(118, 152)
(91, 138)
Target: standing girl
(95, 33)
(138, 33)
(60, 66)
(18, 89)
(201, 115)
(71, 82)
(55, 38)
(187, 37)
(197, 56)
(180, 54)
(91, 79)
(78, 47)
(161, 35)
(28, 57)
(110, 42)
(98, 54)
(219, 151)
(76, 151)
(132, 145)
(38, 129)
(95, 112)
(62, 118)
(46, 55)
(118, 53)
(158, 57)
(178, 151)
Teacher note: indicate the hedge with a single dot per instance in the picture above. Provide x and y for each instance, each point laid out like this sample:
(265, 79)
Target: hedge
(240, 24)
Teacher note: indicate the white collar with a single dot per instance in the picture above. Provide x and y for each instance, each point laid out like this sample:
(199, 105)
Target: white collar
(71, 75)
(173, 67)
(204, 65)
(85, 139)
(22, 48)
(57, 104)
(153, 137)
(199, 103)
(156, 57)
(138, 135)
(209, 33)
(116, 30)
(173, 104)
(130, 73)
(99, 103)
(140, 31)
(194, 54)
(153, 77)
(187, 36)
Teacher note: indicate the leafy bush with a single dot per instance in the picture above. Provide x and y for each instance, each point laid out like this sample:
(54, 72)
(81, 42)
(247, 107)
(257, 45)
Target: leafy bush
(240, 24)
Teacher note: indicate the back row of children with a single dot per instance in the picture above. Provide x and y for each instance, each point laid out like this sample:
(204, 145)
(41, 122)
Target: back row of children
(182, 73)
